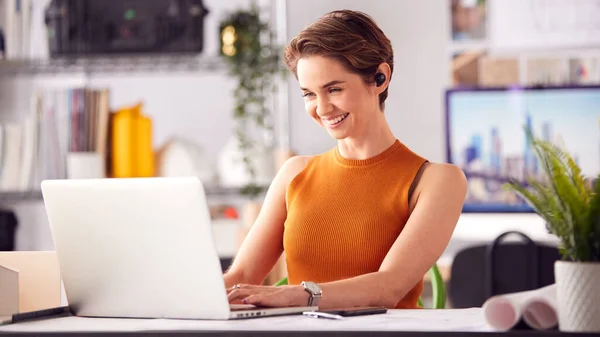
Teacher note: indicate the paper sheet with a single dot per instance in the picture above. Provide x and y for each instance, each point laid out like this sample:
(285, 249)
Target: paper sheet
(395, 320)
(536, 308)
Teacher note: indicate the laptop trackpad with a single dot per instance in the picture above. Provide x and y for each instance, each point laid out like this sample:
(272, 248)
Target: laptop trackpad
(238, 307)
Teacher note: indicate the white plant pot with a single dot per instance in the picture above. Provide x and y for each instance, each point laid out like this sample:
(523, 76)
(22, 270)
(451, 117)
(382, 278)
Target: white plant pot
(578, 296)
(232, 169)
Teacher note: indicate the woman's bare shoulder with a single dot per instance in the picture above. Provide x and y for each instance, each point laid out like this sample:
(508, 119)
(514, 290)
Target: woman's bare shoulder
(293, 166)
(450, 175)
(439, 176)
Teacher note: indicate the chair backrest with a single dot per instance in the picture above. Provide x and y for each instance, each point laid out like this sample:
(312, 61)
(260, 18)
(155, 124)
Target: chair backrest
(482, 271)
(438, 288)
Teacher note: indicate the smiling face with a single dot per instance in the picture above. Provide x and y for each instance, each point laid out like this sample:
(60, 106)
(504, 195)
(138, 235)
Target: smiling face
(338, 100)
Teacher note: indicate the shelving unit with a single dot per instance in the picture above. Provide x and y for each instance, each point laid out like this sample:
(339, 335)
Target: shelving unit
(147, 65)
(20, 196)
(115, 64)
(220, 191)
(193, 70)
(210, 190)
(537, 56)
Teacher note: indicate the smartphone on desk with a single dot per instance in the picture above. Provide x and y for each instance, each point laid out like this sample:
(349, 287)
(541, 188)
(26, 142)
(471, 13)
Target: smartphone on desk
(357, 311)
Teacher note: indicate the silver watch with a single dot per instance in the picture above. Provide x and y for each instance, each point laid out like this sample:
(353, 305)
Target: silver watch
(315, 293)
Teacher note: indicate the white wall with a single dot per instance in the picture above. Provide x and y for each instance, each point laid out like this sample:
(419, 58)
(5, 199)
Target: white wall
(198, 105)
(419, 32)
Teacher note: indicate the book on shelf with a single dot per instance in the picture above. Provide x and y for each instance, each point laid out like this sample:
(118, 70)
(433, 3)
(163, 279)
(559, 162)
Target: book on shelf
(60, 121)
(23, 30)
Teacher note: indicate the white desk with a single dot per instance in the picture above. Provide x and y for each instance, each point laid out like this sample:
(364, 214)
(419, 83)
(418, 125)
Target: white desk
(421, 323)
(394, 320)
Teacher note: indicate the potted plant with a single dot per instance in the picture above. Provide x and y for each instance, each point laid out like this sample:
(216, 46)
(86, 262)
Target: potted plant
(570, 205)
(253, 60)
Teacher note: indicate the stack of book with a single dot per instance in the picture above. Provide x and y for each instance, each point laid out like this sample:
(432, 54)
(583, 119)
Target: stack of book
(60, 121)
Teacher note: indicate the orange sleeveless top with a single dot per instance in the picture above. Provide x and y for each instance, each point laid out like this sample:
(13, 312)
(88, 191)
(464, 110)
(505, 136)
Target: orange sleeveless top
(344, 215)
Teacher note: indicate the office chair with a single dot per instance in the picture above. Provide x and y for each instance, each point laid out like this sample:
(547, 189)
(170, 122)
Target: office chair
(482, 271)
(437, 286)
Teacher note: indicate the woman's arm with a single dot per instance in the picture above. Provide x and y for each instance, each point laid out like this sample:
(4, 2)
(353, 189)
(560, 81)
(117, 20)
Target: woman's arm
(439, 195)
(263, 245)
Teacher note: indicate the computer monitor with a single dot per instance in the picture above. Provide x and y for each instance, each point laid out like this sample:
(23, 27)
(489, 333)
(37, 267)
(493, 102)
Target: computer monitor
(486, 138)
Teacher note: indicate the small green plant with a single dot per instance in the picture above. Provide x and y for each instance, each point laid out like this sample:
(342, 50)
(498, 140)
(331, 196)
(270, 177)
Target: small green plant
(565, 199)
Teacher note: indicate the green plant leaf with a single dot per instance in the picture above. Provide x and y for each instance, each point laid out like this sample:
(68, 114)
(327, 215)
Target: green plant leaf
(575, 201)
(594, 216)
(563, 197)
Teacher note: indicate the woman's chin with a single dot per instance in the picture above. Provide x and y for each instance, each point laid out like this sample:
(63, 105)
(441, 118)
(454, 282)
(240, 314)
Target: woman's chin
(338, 131)
(338, 134)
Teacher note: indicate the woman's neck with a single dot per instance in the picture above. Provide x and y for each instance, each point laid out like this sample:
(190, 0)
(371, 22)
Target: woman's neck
(373, 141)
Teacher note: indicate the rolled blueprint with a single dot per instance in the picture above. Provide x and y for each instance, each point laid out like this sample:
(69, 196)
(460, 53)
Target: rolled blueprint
(536, 308)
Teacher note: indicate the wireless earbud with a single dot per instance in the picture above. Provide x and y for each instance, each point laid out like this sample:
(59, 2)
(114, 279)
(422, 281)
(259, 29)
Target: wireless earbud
(379, 79)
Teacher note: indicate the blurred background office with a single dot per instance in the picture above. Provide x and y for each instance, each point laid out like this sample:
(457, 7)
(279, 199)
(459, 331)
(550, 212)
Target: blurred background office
(112, 89)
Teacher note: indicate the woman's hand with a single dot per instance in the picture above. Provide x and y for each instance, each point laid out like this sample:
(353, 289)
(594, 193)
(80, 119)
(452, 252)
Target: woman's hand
(269, 296)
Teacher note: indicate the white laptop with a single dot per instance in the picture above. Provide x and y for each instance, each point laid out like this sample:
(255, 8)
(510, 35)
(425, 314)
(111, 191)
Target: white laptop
(140, 247)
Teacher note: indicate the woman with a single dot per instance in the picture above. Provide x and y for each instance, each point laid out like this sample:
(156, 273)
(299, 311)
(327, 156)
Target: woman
(362, 223)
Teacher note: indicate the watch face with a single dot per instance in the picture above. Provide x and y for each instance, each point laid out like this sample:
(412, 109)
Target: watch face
(313, 287)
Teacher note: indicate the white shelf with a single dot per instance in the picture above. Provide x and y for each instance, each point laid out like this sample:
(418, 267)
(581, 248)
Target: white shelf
(114, 64)
(10, 196)
(462, 46)
(33, 195)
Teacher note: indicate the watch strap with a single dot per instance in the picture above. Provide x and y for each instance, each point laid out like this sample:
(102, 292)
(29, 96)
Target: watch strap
(314, 300)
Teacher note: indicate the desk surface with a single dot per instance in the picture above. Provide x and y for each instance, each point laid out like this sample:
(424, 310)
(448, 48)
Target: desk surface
(448, 322)
(284, 333)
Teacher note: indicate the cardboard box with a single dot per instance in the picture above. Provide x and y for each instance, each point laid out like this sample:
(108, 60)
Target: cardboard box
(465, 68)
(29, 281)
(498, 72)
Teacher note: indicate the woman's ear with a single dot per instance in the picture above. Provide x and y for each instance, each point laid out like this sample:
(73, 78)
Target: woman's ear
(382, 77)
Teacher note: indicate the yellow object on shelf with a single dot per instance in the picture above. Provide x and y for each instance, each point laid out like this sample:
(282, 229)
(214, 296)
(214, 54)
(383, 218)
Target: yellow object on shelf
(144, 152)
(122, 145)
(132, 153)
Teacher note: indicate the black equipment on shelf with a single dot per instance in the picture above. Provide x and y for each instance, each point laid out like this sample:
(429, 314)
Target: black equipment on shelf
(8, 226)
(97, 27)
